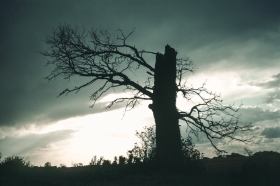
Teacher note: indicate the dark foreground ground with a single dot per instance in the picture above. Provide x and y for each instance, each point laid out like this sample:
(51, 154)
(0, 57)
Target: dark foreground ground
(140, 179)
(219, 171)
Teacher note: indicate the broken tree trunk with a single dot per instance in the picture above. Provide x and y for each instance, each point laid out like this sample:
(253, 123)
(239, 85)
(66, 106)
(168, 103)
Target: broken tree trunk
(168, 138)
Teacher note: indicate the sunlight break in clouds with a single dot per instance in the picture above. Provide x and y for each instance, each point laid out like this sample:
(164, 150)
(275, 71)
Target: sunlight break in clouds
(105, 134)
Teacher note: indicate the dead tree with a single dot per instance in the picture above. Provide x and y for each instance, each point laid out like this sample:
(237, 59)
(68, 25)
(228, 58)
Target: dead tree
(109, 60)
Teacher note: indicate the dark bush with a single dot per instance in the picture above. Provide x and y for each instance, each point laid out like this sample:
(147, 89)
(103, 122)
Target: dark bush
(14, 162)
(14, 167)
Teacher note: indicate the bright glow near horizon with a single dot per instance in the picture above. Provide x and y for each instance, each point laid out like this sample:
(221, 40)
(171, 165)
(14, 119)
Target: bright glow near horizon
(104, 134)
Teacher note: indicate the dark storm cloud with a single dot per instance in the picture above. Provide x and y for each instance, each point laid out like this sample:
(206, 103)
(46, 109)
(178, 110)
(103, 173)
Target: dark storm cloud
(257, 114)
(27, 143)
(209, 31)
(271, 132)
(53, 111)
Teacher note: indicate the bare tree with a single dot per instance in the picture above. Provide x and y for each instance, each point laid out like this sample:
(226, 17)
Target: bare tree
(109, 60)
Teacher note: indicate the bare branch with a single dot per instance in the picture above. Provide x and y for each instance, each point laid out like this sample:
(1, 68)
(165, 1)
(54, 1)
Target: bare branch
(211, 117)
(97, 55)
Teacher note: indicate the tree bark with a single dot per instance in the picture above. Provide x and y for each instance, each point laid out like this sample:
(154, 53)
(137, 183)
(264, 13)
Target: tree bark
(168, 138)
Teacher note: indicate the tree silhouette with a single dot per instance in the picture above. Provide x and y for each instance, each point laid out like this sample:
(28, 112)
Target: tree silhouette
(145, 151)
(47, 164)
(108, 62)
(13, 164)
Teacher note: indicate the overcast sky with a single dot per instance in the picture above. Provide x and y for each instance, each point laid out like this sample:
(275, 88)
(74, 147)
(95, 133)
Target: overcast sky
(234, 44)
